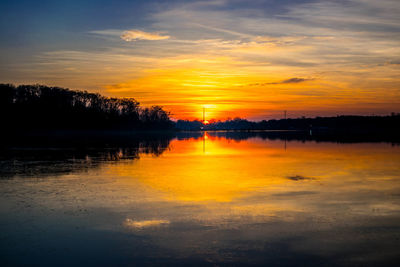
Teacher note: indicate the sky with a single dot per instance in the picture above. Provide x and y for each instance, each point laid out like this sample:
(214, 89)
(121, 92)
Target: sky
(249, 59)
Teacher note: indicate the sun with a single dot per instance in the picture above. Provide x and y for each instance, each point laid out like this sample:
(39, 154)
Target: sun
(205, 111)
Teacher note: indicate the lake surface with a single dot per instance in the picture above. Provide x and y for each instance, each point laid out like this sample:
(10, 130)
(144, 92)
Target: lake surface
(204, 199)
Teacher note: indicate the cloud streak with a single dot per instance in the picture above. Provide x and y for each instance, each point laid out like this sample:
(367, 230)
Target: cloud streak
(134, 35)
(144, 224)
(295, 80)
(287, 81)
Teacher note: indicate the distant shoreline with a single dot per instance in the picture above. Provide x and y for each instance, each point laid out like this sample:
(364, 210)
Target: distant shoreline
(84, 139)
(43, 110)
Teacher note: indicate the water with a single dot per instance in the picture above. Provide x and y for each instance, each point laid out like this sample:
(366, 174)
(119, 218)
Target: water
(213, 199)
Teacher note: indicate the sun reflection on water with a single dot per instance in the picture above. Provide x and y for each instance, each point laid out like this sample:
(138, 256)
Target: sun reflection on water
(218, 169)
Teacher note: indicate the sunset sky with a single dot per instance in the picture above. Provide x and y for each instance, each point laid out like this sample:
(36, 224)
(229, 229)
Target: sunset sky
(252, 59)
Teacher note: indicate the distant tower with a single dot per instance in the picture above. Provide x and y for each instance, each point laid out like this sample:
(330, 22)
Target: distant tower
(284, 112)
(204, 114)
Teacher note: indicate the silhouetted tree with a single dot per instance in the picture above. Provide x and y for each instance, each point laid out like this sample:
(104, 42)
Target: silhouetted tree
(32, 107)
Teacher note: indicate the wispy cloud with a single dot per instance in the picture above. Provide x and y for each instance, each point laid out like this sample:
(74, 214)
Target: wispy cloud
(287, 81)
(300, 178)
(134, 35)
(144, 224)
(293, 80)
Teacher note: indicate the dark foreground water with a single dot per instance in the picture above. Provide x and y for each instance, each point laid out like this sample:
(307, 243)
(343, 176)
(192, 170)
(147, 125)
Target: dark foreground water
(213, 199)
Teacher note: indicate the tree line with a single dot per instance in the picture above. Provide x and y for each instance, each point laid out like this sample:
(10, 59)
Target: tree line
(39, 107)
(345, 123)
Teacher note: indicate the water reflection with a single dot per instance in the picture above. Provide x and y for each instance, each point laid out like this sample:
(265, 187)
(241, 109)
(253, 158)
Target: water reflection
(57, 155)
(206, 199)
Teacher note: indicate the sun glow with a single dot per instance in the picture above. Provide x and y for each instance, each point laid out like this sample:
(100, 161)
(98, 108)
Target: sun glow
(251, 93)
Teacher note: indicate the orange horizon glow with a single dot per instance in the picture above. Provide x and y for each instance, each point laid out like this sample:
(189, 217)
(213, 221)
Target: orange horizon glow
(228, 90)
(185, 93)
